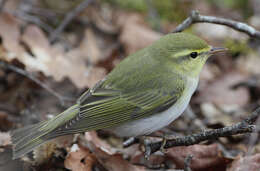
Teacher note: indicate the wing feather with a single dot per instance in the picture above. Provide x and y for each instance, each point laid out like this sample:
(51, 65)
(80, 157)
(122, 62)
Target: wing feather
(102, 108)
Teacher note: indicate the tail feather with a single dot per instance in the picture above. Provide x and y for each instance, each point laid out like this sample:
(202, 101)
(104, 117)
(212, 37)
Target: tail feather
(30, 137)
(21, 133)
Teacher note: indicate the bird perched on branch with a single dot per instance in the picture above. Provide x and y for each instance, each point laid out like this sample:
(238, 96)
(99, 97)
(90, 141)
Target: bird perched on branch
(144, 93)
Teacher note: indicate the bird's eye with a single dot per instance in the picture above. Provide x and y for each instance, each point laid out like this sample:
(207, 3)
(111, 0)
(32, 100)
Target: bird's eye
(193, 54)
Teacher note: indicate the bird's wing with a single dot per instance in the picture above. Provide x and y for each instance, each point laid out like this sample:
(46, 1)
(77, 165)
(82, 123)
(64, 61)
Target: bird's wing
(101, 108)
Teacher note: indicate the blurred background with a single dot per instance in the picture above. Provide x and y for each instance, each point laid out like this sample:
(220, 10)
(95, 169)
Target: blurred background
(51, 51)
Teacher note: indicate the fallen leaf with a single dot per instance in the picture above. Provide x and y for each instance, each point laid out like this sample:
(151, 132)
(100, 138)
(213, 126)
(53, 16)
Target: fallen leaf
(5, 123)
(247, 163)
(115, 162)
(10, 34)
(89, 46)
(250, 63)
(44, 152)
(32, 49)
(106, 155)
(79, 159)
(91, 136)
(222, 93)
(215, 115)
(205, 157)
(134, 34)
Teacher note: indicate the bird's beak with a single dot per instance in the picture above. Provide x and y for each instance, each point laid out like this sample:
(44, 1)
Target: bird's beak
(214, 50)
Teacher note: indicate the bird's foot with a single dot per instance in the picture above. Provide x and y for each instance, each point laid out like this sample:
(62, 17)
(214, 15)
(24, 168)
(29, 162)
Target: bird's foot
(165, 138)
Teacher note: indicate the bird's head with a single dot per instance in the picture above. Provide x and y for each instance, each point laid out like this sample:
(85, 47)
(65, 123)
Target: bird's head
(185, 52)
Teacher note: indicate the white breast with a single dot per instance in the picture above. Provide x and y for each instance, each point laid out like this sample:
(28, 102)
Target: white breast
(148, 125)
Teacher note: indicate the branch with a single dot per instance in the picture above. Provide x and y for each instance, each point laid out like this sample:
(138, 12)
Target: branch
(61, 98)
(68, 18)
(244, 126)
(195, 17)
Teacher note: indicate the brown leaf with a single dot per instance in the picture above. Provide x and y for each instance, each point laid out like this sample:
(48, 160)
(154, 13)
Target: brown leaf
(79, 159)
(10, 34)
(37, 54)
(220, 91)
(106, 155)
(135, 35)
(250, 63)
(248, 163)
(115, 162)
(89, 46)
(5, 123)
(92, 137)
(204, 156)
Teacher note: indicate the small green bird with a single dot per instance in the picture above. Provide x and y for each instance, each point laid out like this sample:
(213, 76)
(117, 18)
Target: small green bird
(144, 93)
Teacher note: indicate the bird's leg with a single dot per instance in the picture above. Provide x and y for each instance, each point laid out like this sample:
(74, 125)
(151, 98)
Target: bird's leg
(164, 140)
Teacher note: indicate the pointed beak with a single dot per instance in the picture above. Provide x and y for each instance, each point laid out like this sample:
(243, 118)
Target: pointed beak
(214, 50)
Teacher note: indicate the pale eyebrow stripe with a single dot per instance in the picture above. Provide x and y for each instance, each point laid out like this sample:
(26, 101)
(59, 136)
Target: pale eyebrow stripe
(187, 52)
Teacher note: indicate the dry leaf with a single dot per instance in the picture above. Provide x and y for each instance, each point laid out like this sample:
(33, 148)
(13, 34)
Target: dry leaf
(10, 34)
(90, 47)
(215, 115)
(135, 35)
(79, 159)
(107, 156)
(39, 55)
(250, 63)
(204, 156)
(44, 152)
(221, 93)
(5, 123)
(247, 163)
(115, 162)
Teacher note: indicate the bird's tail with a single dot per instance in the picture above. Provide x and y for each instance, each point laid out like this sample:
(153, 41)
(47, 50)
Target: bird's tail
(24, 140)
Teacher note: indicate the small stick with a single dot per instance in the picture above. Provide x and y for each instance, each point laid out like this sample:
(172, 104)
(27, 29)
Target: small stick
(130, 141)
(61, 98)
(195, 17)
(68, 18)
(187, 163)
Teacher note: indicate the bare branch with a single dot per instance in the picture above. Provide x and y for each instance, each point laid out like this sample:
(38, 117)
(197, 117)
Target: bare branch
(68, 18)
(195, 17)
(239, 128)
(61, 98)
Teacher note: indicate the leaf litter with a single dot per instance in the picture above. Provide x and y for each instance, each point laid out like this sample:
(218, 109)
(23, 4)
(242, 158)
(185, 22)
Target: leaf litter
(26, 46)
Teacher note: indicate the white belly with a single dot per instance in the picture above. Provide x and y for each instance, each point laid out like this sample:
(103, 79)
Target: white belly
(151, 124)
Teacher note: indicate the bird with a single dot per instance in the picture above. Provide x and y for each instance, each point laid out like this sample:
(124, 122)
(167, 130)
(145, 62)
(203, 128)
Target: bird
(145, 92)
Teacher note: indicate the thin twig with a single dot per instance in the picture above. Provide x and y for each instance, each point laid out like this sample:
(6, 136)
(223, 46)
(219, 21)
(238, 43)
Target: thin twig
(68, 18)
(35, 20)
(244, 126)
(130, 141)
(195, 17)
(32, 19)
(187, 163)
(61, 98)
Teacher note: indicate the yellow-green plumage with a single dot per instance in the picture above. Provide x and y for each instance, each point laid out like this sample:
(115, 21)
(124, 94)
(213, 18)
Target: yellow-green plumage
(152, 82)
